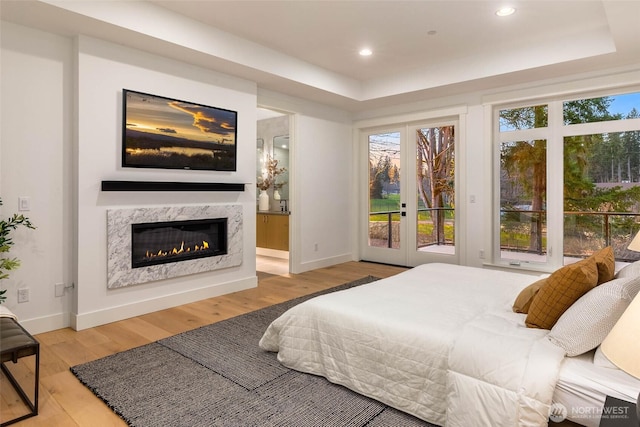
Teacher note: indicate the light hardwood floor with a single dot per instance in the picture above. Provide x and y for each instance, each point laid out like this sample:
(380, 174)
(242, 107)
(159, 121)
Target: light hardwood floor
(271, 266)
(64, 401)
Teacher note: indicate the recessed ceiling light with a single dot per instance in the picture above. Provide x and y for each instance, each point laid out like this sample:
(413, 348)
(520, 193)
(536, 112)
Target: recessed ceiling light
(365, 52)
(505, 11)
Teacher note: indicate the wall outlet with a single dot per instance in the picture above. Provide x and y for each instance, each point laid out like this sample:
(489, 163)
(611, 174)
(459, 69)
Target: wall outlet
(23, 295)
(59, 289)
(481, 254)
(315, 247)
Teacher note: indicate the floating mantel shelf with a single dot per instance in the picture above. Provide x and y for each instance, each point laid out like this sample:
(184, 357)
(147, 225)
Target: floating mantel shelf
(169, 186)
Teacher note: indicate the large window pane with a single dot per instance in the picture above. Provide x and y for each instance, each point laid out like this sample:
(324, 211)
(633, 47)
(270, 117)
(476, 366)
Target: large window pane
(596, 172)
(384, 190)
(591, 110)
(523, 192)
(601, 193)
(523, 118)
(435, 229)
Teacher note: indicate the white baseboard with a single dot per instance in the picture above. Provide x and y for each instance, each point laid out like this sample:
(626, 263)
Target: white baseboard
(46, 324)
(322, 263)
(113, 314)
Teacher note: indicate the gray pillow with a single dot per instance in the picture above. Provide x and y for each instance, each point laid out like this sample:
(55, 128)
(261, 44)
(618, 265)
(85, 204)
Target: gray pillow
(584, 325)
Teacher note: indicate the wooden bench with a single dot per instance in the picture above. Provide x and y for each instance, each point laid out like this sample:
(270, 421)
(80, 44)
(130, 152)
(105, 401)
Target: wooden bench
(15, 343)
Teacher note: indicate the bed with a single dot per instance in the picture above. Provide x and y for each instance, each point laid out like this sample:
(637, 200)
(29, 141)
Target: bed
(584, 383)
(438, 341)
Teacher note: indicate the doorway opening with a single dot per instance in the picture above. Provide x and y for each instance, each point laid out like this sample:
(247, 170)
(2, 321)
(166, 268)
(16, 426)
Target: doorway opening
(273, 207)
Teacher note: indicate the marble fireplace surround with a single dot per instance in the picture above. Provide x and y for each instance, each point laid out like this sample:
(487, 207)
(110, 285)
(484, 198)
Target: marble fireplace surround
(119, 271)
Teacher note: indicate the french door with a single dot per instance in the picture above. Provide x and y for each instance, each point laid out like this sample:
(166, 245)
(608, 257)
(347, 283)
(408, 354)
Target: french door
(409, 186)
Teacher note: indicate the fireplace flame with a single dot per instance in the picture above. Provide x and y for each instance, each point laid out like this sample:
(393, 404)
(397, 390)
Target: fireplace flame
(177, 251)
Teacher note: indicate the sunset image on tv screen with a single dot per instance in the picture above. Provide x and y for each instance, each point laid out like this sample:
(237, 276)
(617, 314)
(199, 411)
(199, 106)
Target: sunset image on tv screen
(160, 132)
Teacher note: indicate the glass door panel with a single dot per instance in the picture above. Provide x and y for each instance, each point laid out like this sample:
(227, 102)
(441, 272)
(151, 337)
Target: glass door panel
(410, 221)
(384, 191)
(435, 178)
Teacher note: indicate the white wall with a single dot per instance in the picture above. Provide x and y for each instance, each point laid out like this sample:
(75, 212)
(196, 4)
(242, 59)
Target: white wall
(36, 161)
(323, 158)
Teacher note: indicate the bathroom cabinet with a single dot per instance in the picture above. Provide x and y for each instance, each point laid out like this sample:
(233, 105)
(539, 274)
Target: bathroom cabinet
(272, 231)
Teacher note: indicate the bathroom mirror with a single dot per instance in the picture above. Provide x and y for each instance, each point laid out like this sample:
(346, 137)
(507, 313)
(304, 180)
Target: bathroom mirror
(259, 156)
(281, 154)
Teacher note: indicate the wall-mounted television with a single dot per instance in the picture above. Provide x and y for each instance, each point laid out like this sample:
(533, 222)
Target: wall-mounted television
(165, 133)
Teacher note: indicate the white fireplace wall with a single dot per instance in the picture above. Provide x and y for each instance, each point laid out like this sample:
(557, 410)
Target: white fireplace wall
(103, 70)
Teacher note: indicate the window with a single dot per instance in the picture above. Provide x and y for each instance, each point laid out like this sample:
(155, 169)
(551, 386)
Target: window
(569, 177)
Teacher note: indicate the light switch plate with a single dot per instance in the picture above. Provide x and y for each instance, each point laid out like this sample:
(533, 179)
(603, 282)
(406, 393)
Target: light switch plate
(24, 203)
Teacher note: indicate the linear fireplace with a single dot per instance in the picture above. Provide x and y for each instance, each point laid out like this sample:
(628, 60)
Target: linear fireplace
(202, 238)
(174, 241)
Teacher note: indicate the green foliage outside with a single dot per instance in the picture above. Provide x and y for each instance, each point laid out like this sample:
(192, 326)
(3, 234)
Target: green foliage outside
(517, 240)
(383, 172)
(425, 229)
(388, 204)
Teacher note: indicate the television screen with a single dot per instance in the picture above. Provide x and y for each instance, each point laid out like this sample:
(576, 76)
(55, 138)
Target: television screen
(159, 132)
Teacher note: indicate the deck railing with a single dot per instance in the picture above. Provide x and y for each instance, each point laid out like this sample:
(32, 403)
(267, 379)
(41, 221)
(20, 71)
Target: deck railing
(584, 231)
(391, 228)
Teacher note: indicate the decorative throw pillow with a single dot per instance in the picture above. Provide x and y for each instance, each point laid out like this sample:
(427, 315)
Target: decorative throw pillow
(524, 298)
(629, 270)
(606, 262)
(590, 319)
(560, 290)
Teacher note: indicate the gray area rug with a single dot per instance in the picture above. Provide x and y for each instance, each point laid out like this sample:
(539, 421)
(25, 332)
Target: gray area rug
(217, 375)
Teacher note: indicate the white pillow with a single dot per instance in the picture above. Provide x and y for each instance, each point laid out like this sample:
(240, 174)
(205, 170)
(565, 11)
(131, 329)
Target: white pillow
(599, 359)
(629, 270)
(584, 325)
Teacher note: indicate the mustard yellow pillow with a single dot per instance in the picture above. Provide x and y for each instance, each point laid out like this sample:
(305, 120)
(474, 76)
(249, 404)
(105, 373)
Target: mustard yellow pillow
(560, 290)
(606, 263)
(524, 298)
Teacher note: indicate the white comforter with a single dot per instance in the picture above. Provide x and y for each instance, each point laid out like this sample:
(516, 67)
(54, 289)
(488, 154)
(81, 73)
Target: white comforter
(438, 341)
